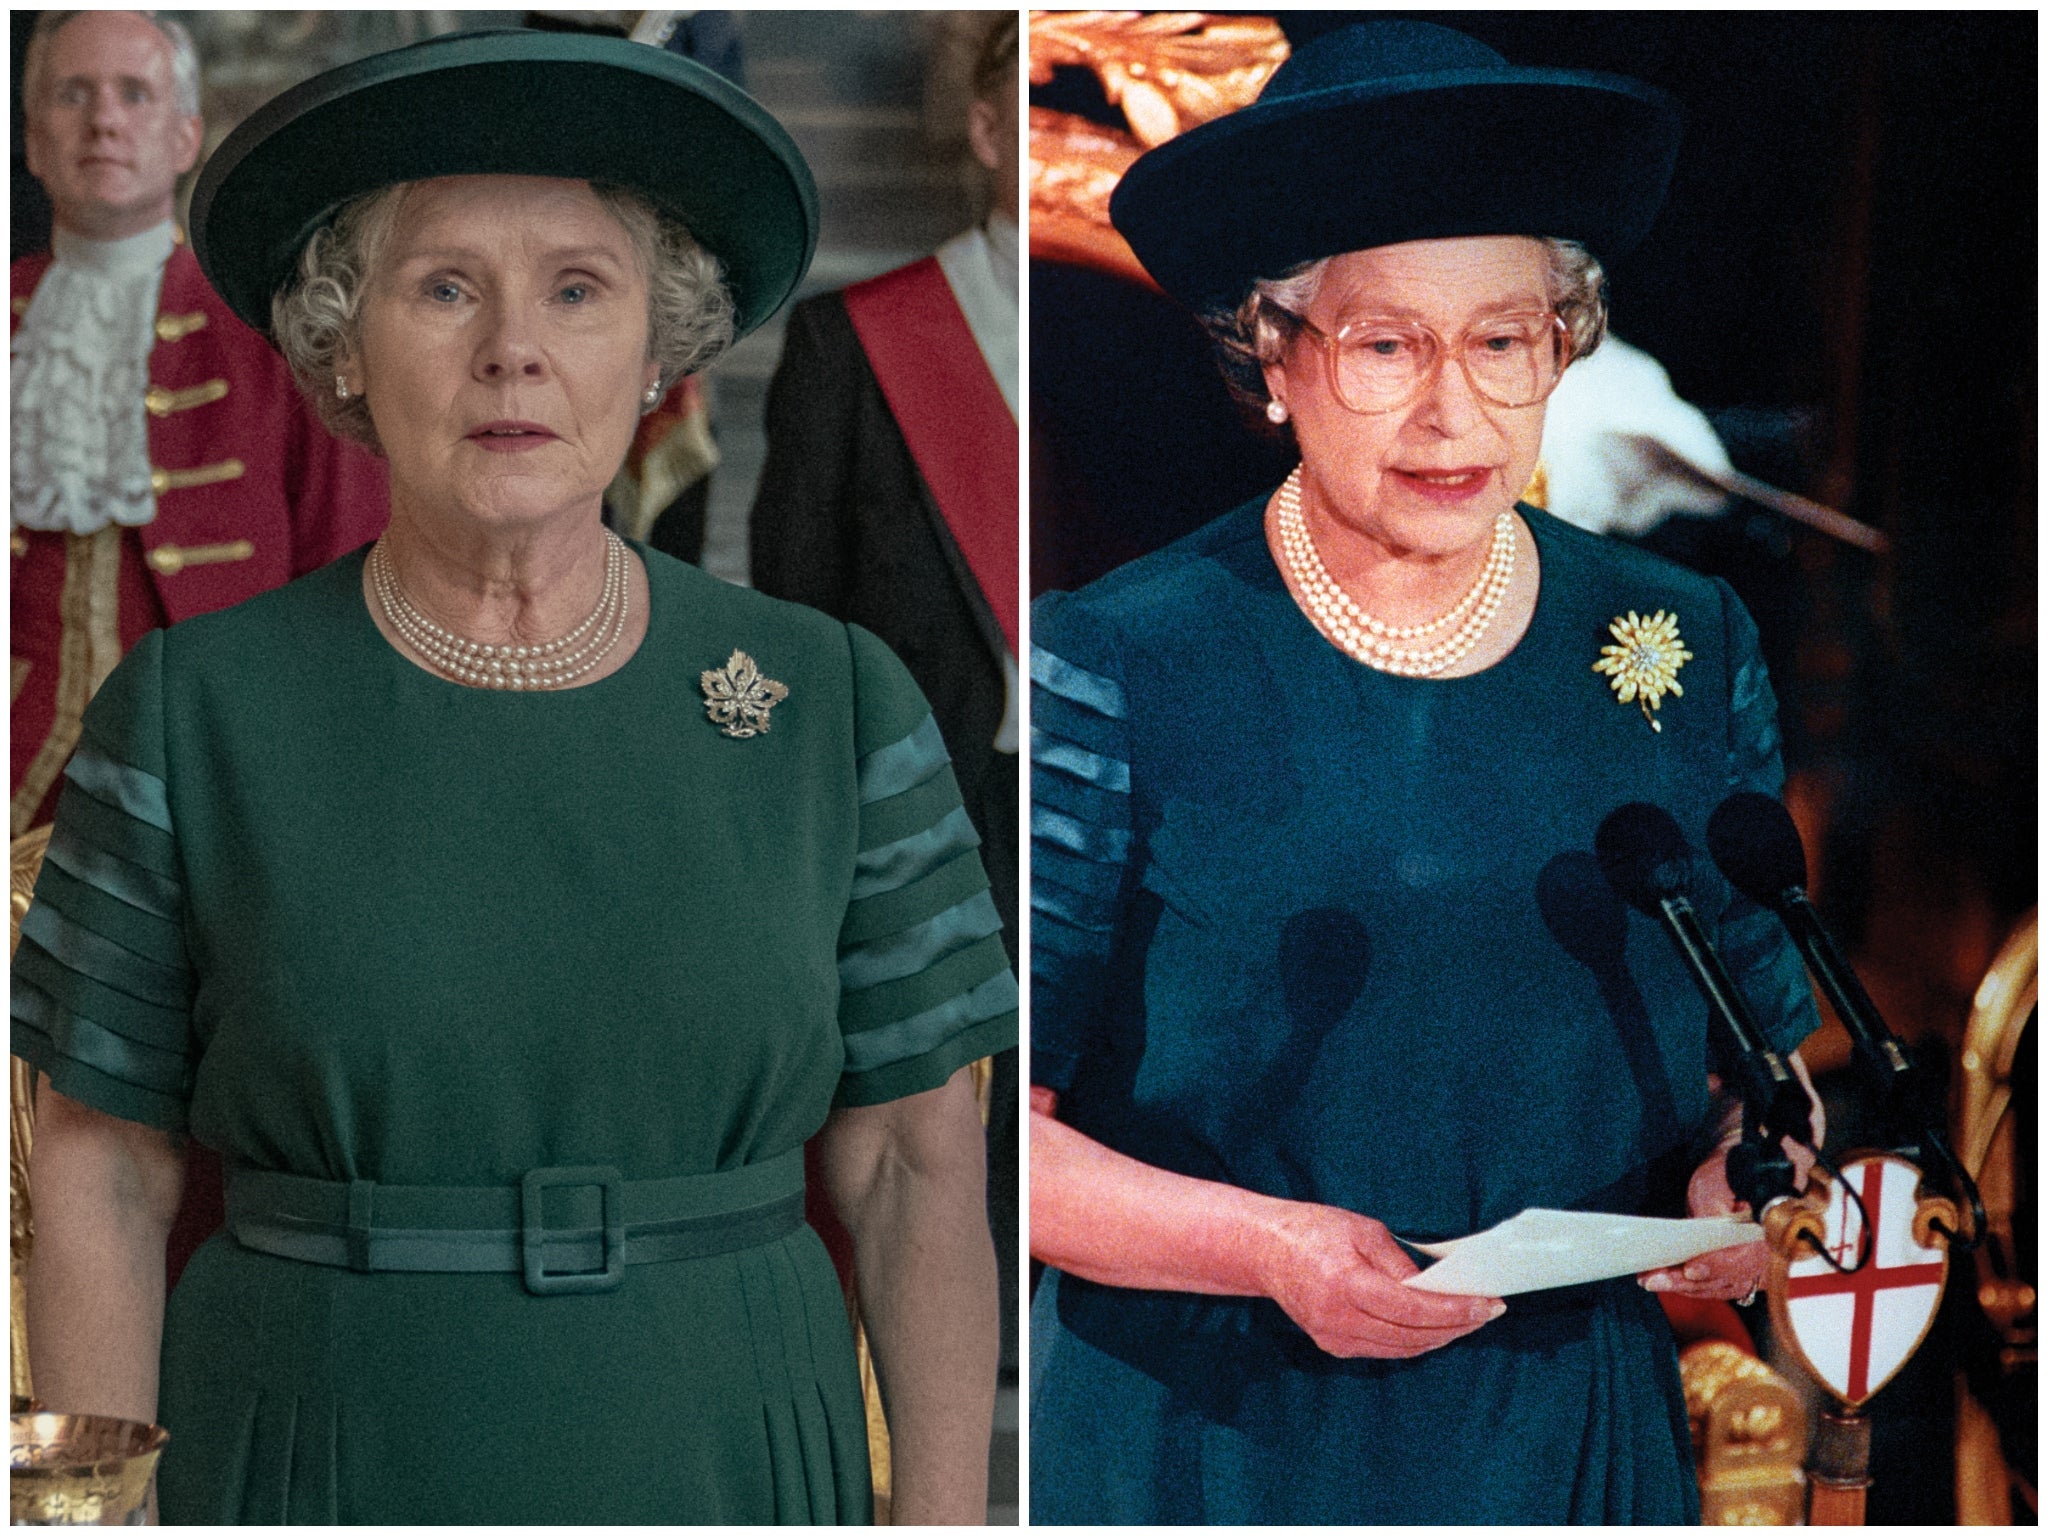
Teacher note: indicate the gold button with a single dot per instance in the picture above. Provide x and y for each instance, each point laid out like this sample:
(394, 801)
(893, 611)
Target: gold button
(169, 559)
(178, 327)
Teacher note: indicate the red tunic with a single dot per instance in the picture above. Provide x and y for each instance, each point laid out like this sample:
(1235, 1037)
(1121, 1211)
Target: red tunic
(251, 491)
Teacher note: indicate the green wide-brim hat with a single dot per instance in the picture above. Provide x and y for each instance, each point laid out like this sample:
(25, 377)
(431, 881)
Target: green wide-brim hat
(519, 103)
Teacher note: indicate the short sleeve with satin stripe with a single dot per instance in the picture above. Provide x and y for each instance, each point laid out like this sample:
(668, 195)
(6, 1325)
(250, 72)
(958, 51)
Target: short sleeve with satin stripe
(925, 984)
(102, 987)
(1081, 832)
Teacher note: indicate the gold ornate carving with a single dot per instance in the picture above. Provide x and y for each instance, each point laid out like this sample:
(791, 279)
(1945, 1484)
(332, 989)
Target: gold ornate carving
(1169, 72)
(88, 646)
(2000, 1015)
(169, 559)
(178, 327)
(25, 864)
(17, 542)
(1748, 1435)
(161, 480)
(74, 1469)
(161, 402)
(737, 697)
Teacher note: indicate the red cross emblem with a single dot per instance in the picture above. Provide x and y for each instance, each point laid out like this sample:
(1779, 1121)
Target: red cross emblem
(1855, 1330)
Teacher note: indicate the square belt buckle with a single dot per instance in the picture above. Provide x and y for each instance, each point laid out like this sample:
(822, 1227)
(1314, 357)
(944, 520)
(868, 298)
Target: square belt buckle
(533, 1229)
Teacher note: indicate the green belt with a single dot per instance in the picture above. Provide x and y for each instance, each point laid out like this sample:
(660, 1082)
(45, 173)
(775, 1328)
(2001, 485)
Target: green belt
(565, 1229)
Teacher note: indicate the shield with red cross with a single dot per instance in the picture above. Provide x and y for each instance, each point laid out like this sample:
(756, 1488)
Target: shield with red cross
(1852, 1331)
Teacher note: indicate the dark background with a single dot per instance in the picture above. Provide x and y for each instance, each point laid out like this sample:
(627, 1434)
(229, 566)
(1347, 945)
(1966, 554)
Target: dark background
(1844, 278)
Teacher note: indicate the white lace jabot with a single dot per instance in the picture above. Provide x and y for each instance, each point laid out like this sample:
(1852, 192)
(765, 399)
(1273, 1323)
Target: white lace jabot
(81, 368)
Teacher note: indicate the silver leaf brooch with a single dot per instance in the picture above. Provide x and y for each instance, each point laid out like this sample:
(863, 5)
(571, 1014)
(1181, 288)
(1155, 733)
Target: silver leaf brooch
(737, 697)
(1642, 665)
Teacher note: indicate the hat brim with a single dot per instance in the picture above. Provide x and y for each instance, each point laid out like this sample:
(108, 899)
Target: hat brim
(510, 103)
(1564, 153)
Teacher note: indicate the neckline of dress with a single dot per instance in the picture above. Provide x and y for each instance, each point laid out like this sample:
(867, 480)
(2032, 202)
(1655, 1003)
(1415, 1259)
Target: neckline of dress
(611, 682)
(1507, 665)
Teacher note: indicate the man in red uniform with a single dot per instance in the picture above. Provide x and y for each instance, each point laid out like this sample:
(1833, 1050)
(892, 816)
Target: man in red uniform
(164, 463)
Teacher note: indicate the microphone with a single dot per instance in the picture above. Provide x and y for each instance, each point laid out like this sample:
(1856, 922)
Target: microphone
(1645, 857)
(1755, 844)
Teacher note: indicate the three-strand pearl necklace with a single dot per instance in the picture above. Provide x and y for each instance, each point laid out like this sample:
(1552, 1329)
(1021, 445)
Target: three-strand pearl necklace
(1372, 641)
(553, 664)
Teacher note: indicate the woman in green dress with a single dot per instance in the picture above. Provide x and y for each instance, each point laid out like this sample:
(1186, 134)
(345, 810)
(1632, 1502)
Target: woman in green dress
(1322, 956)
(507, 904)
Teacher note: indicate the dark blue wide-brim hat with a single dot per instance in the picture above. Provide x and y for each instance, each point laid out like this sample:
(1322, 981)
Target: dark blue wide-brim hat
(510, 102)
(1390, 131)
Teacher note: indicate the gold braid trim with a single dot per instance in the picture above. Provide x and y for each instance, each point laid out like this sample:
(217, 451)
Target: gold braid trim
(88, 648)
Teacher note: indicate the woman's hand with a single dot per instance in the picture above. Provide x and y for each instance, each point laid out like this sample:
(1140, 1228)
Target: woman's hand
(1339, 1275)
(1733, 1274)
(1726, 1274)
(1109, 1218)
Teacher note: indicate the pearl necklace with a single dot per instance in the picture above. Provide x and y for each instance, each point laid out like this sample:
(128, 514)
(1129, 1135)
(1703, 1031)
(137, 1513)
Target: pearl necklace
(553, 664)
(1366, 638)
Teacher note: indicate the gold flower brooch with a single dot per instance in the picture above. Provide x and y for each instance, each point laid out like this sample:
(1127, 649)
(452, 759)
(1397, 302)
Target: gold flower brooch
(737, 697)
(1642, 666)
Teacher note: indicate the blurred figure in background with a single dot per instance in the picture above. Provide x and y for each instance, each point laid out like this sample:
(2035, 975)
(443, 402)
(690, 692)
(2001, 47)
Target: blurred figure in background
(163, 465)
(889, 499)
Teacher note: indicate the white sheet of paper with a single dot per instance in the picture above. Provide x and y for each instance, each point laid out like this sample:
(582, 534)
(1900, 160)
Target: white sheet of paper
(1540, 1249)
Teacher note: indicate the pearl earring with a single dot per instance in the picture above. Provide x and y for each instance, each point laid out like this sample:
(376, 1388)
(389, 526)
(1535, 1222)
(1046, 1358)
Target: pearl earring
(653, 394)
(340, 387)
(1276, 411)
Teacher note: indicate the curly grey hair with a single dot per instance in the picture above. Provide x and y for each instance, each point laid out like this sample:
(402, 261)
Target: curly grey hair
(1255, 333)
(316, 320)
(184, 57)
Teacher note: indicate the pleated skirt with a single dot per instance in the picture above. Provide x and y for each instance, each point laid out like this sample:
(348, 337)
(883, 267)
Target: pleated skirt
(713, 1390)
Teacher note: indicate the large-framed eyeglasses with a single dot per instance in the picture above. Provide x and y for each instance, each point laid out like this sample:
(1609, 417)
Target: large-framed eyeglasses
(1381, 365)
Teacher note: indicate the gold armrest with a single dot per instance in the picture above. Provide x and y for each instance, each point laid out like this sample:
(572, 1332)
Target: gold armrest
(1748, 1435)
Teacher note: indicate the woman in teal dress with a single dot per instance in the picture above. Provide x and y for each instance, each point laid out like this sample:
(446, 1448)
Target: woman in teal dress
(508, 904)
(1322, 953)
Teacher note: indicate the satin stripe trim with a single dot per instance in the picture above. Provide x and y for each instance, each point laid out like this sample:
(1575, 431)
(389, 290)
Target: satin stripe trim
(1072, 907)
(902, 765)
(1071, 797)
(899, 816)
(130, 884)
(1106, 773)
(150, 1023)
(1105, 845)
(1080, 877)
(113, 830)
(1076, 685)
(898, 863)
(141, 795)
(892, 911)
(913, 950)
(1053, 936)
(72, 1035)
(893, 1000)
(154, 938)
(100, 959)
(926, 1031)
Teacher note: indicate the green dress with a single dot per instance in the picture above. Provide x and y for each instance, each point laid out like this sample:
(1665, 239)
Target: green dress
(339, 918)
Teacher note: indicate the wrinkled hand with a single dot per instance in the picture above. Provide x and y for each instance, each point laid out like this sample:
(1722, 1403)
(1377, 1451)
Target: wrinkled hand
(1339, 1275)
(1726, 1274)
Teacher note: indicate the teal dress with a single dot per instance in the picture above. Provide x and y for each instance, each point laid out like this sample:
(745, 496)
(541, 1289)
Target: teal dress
(343, 920)
(1337, 936)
